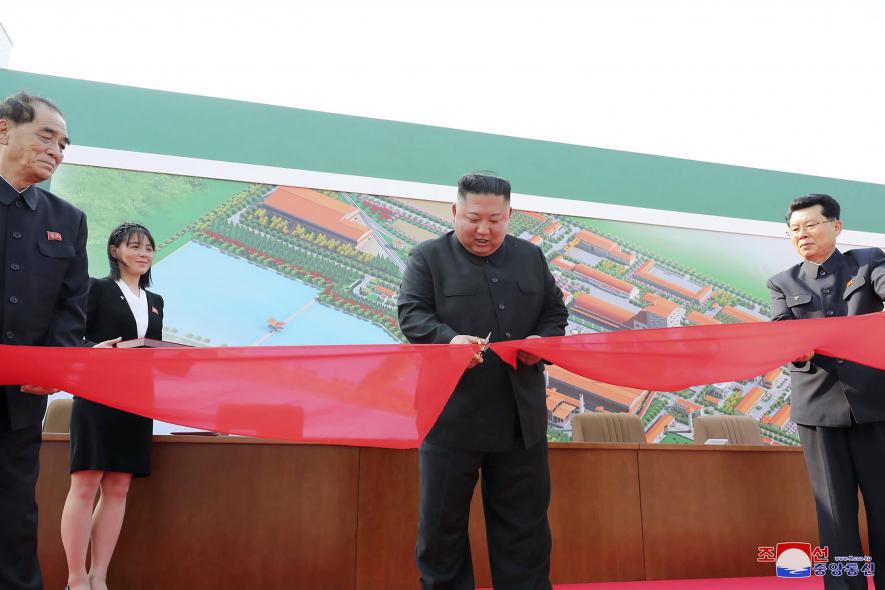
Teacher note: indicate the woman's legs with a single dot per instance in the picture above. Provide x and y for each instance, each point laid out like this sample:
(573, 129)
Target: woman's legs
(106, 524)
(76, 525)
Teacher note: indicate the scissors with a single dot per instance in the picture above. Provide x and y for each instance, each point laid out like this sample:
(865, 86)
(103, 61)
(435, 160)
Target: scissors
(487, 343)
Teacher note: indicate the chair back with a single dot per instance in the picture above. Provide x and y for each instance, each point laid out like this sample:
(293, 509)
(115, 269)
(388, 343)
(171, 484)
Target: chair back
(602, 427)
(58, 416)
(739, 430)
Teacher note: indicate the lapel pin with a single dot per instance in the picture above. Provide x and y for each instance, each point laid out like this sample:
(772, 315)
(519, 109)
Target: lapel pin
(796, 298)
(155, 310)
(850, 282)
(53, 236)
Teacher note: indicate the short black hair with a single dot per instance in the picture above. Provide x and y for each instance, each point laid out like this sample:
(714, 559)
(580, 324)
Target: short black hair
(483, 183)
(829, 206)
(20, 107)
(120, 235)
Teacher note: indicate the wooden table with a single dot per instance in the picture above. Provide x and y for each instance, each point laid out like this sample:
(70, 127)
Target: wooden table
(231, 512)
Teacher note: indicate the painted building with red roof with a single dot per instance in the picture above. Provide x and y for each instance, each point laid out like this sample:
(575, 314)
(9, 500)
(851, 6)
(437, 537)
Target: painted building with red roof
(562, 263)
(772, 376)
(603, 312)
(612, 398)
(658, 429)
(606, 282)
(535, 215)
(600, 246)
(318, 213)
(749, 400)
(781, 417)
(560, 408)
(551, 228)
(647, 274)
(659, 313)
(688, 406)
(383, 291)
(744, 316)
(533, 239)
(699, 319)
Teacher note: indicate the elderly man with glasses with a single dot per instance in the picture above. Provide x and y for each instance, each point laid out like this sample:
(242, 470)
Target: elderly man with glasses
(838, 406)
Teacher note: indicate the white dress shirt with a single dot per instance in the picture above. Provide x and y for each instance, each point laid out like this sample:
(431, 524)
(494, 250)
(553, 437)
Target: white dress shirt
(139, 306)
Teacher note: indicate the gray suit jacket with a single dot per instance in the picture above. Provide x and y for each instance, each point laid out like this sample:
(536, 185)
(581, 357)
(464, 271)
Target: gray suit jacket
(446, 291)
(828, 391)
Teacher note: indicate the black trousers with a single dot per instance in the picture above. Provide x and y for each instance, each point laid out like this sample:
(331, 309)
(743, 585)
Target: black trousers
(19, 466)
(515, 493)
(841, 461)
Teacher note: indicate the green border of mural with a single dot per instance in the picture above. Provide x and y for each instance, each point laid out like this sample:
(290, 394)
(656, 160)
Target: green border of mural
(135, 119)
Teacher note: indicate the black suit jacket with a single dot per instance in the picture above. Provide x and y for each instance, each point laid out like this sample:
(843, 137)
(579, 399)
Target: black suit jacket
(44, 282)
(108, 315)
(447, 291)
(827, 391)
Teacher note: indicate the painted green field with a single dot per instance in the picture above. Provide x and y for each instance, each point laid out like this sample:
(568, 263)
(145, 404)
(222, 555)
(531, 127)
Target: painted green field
(164, 203)
(675, 439)
(742, 261)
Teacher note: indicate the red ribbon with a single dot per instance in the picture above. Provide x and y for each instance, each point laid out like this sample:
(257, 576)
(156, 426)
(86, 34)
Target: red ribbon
(377, 395)
(390, 395)
(671, 359)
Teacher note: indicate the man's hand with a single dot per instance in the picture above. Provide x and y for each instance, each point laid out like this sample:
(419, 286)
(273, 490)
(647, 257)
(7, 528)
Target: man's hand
(108, 343)
(804, 358)
(527, 357)
(37, 390)
(475, 340)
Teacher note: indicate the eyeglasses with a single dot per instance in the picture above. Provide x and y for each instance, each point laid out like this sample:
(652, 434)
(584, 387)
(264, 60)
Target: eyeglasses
(811, 227)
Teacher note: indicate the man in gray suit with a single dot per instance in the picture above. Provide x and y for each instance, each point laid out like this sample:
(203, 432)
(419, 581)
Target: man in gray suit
(839, 406)
(456, 289)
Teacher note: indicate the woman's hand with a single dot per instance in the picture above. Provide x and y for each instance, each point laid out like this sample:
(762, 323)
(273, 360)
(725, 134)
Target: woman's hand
(108, 343)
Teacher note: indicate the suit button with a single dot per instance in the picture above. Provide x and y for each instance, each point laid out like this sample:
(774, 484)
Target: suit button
(507, 334)
(840, 361)
(501, 306)
(494, 279)
(10, 334)
(829, 312)
(827, 291)
(15, 266)
(822, 273)
(17, 235)
(19, 204)
(13, 299)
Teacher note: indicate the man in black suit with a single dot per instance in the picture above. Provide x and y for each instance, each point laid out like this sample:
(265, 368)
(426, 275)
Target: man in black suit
(457, 289)
(839, 406)
(43, 285)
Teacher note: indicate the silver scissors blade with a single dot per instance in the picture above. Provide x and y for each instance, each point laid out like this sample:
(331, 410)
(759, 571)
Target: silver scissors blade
(488, 342)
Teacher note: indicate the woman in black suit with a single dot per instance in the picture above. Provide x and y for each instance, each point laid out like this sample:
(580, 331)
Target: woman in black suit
(109, 446)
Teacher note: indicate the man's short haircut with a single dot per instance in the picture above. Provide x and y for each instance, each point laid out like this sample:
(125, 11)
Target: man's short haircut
(483, 183)
(829, 206)
(20, 107)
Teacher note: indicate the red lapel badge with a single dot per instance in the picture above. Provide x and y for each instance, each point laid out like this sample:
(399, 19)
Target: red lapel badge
(53, 236)
(155, 310)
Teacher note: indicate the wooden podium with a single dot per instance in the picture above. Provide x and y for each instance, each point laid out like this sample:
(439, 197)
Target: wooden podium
(236, 512)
